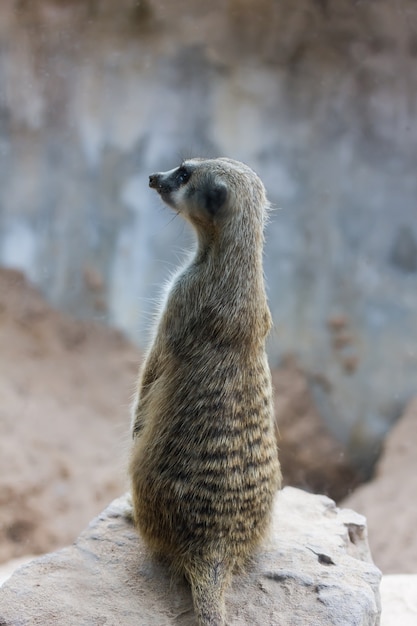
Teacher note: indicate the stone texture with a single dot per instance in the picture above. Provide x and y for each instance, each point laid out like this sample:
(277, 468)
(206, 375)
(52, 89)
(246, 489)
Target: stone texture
(388, 501)
(314, 569)
(7, 569)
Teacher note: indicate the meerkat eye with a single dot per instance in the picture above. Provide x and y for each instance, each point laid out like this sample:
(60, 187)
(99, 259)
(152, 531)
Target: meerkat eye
(182, 175)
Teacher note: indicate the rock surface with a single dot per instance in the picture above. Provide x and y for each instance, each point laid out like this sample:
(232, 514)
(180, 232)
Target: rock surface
(314, 569)
(391, 497)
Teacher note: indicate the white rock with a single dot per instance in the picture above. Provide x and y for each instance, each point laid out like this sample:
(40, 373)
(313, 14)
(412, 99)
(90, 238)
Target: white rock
(399, 600)
(314, 569)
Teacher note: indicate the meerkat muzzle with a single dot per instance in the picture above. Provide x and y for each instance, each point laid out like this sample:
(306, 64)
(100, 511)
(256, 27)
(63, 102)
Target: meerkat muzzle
(153, 181)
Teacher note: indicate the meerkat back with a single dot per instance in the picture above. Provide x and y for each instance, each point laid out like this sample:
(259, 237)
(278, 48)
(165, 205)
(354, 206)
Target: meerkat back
(204, 467)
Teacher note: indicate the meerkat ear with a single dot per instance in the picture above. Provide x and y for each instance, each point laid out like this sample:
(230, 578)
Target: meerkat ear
(213, 197)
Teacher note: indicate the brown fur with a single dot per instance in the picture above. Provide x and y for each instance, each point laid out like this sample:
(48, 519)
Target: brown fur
(204, 464)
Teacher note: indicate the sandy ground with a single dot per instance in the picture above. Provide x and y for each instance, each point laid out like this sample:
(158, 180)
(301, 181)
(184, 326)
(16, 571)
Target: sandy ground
(65, 388)
(389, 500)
(310, 456)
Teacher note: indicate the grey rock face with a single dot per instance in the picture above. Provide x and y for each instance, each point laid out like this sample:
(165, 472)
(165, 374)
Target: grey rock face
(318, 97)
(314, 569)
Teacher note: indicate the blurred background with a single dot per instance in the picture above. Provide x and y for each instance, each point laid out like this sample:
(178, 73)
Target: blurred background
(319, 97)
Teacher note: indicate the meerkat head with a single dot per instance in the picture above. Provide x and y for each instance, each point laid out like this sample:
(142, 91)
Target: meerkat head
(196, 189)
(211, 193)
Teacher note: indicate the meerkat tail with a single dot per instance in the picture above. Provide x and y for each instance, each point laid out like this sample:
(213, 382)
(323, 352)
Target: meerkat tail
(208, 583)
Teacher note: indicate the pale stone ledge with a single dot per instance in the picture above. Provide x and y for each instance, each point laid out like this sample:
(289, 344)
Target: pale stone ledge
(315, 568)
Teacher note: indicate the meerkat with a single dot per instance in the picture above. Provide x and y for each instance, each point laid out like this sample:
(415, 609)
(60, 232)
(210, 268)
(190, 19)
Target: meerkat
(204, 466)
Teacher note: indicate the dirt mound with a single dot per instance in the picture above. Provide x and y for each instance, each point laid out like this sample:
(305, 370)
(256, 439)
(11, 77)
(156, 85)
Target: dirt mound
(311, 458)
(388, 501)
(65, 388)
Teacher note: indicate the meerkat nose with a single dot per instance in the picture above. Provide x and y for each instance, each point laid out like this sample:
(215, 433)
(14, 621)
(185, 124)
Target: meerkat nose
(153, 181)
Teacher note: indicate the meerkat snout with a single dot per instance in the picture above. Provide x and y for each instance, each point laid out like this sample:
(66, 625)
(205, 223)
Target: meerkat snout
(153, 181)
(170, 185)
(170, 181)
(198, 194)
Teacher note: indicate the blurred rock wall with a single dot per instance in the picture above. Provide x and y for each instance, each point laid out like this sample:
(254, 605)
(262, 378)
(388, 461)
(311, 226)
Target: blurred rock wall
(318, 96)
